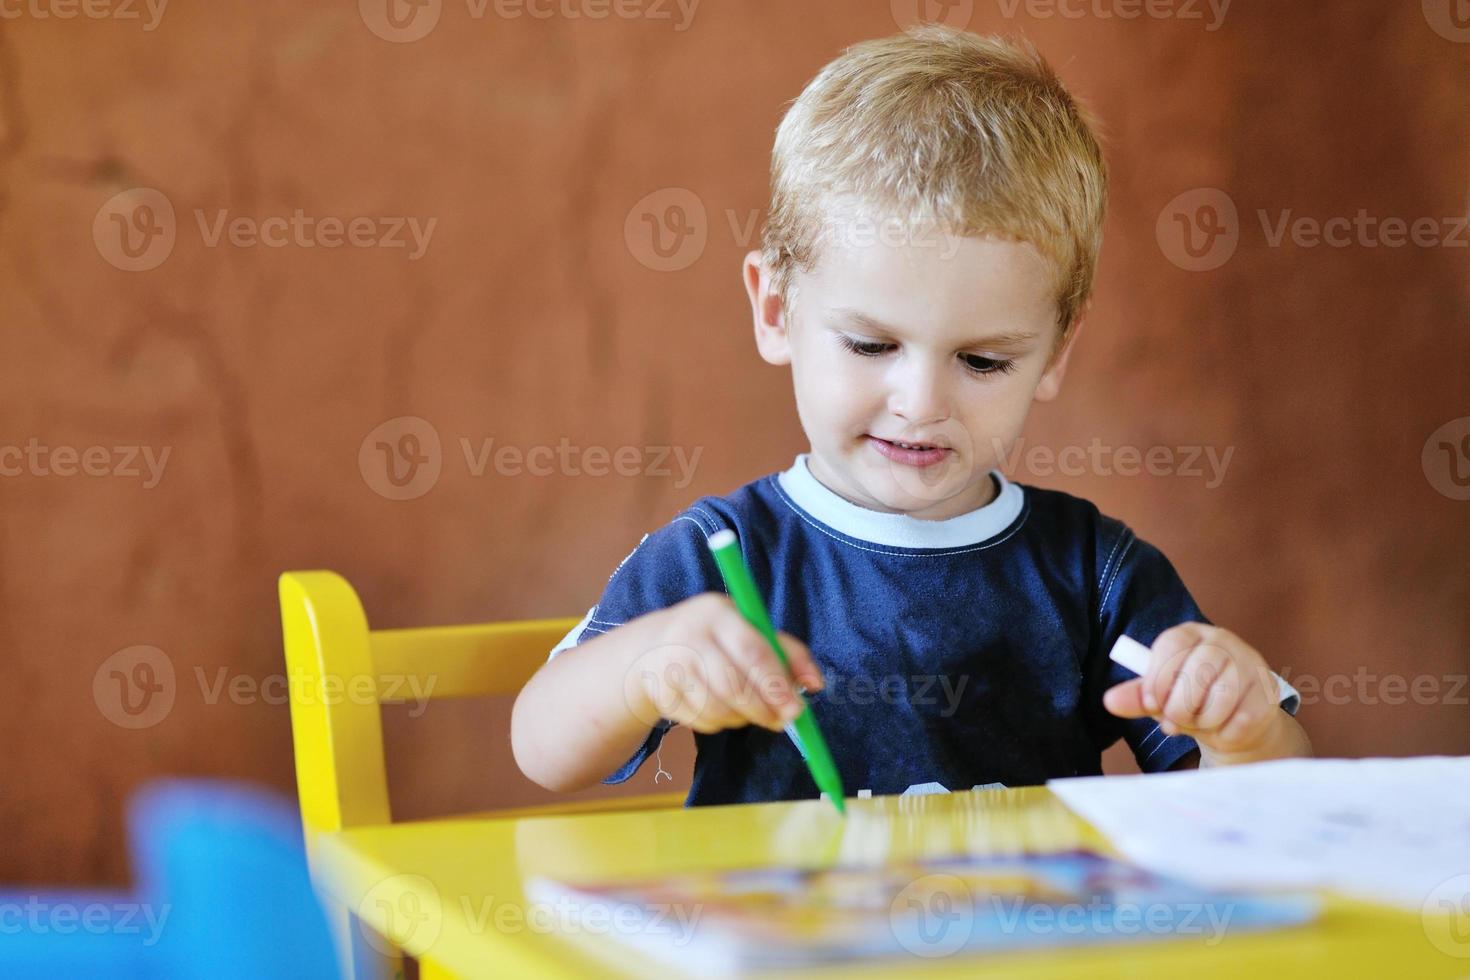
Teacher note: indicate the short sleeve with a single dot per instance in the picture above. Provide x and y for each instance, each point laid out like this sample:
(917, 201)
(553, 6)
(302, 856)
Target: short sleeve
(1140, 595)
(668, 566)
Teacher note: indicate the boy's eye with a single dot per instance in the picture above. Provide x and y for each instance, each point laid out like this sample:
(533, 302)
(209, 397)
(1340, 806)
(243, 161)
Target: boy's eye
(987, 365)
(867, 348)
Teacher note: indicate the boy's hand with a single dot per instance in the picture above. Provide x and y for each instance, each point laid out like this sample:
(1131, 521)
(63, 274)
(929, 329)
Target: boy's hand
(1209, 684)
(711, 670)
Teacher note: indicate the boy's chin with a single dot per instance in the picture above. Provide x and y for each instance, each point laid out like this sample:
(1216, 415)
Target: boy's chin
(910, 495)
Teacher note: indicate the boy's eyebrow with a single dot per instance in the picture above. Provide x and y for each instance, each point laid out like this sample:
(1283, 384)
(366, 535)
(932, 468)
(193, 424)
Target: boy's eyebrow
(1013, 338)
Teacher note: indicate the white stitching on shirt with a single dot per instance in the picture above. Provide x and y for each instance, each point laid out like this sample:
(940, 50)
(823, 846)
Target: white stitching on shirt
(1104, 601)
(1152, 732)
(1020, 520)
(714, 524)
(691, 520)
(1156, 749)
(1103, 577)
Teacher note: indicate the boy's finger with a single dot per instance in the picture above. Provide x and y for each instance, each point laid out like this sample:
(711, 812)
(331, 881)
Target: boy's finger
(804, 667)
(741, 689)
(1197, 675)
(1249, 715)
(1167, 657)
(1126, 699)
(757, 665)
(1221, 699)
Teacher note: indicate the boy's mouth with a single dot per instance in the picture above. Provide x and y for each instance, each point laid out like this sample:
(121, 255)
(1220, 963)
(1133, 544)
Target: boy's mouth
(909, 453)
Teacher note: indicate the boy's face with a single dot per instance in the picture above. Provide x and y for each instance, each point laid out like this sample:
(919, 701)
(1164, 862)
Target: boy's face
(937, 341)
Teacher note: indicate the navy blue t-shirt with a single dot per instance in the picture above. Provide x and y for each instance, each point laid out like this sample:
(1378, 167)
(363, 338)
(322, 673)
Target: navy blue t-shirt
(958, 653)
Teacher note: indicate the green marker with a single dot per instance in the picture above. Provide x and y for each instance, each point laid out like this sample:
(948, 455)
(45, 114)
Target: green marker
(803, 731)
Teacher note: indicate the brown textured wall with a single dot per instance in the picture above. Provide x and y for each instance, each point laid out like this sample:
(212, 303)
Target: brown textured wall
(540, 312)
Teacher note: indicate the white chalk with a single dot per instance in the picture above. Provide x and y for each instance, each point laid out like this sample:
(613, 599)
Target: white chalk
(1129, 653)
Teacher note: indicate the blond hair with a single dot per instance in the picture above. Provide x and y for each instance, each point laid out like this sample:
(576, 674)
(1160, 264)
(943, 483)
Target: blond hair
(941, 128)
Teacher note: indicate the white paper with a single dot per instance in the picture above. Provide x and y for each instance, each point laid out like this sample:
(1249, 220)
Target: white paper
(1389, 830)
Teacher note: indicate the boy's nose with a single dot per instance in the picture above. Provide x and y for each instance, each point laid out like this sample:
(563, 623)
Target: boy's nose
(918, 395)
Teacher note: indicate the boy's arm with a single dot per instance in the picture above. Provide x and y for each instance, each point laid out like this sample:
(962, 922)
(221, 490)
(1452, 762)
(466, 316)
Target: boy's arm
(1141, 596)
(700, 663)
(577, 719)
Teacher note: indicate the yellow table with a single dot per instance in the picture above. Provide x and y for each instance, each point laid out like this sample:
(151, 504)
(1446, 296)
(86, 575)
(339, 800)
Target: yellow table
(452, 890)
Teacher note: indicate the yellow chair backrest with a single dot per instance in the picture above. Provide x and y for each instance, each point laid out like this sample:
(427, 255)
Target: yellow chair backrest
(337, 666)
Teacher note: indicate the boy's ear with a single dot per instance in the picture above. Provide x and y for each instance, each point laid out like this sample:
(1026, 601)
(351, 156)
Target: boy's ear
(765, 306)
(1051, 381)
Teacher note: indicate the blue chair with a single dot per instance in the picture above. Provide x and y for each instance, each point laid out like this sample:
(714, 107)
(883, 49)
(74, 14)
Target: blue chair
(222, 892)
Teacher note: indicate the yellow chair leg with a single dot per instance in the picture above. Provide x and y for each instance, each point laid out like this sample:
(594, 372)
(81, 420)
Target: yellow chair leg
(429, 970)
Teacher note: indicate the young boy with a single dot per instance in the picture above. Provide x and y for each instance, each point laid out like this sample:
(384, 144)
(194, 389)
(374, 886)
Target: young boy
(936, 214)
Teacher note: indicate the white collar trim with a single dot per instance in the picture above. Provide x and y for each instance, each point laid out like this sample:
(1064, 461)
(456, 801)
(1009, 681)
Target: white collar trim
(900, 530)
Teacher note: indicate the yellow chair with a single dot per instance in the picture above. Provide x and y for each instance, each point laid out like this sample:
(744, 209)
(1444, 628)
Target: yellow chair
(336, 667)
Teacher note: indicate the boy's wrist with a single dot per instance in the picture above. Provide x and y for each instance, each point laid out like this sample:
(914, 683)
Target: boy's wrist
(1283, 739)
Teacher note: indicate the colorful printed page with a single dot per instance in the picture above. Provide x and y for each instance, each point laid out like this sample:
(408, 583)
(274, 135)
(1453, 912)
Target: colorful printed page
(730, 922)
